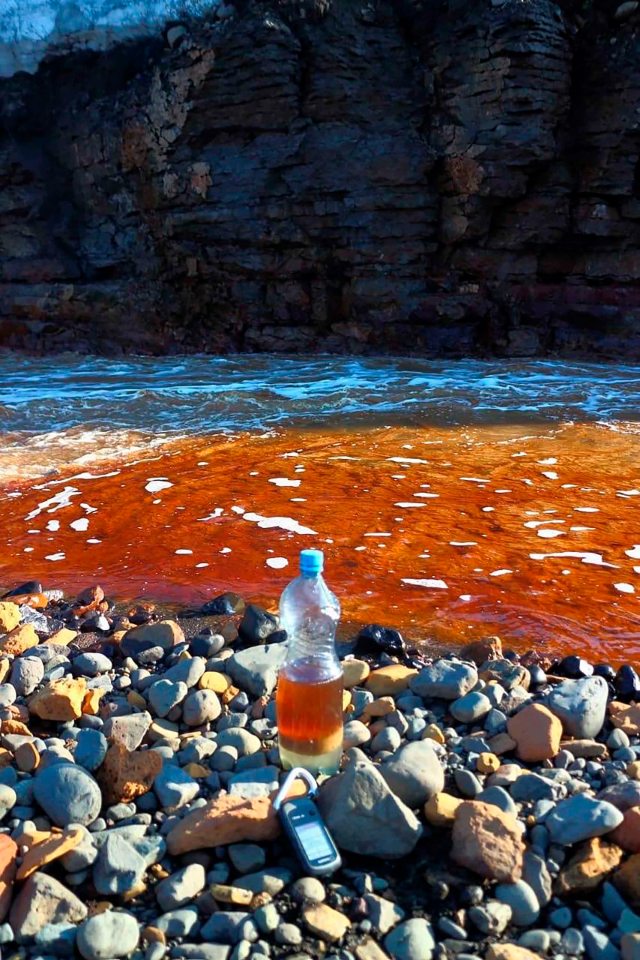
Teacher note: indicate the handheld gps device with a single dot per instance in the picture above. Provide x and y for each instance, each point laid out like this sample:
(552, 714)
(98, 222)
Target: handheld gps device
(305, 827)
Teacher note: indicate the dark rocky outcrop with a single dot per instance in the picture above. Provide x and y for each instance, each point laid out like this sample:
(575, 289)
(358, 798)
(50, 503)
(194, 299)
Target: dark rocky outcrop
(435, 177)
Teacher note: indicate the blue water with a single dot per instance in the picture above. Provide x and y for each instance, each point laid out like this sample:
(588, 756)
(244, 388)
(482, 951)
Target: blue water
(205, 394)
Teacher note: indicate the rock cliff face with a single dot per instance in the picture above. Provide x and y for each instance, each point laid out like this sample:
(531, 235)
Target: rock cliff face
(437, 177)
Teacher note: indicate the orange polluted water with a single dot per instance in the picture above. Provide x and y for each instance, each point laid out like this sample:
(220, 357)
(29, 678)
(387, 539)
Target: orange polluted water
(309, 714)
(528, 531)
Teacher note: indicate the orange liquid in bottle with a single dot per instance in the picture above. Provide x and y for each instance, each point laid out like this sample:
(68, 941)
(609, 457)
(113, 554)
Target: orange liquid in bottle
(309, 712)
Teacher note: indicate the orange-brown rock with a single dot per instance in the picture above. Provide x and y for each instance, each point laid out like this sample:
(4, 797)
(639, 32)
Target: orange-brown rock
(8, 854)
(5, 668)
(125, 775)
(91, 701)
(537, 733)
(46, 850)
(586, 870)
(627, 835)
(481, 650)
(88, 600)
(440, 810)
(37, 601)
(22, 638)
(325, 922)
(6, 758)
(62, 637)
(227, 819)
(627, 880)
(59, 701)
(487, 841)
(625, 716)
(378, 708)
(15, 727)
(9, 616)
(510, 951)
(389, 681)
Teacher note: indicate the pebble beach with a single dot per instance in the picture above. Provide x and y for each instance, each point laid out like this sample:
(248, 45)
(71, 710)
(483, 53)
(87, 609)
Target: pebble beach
(487, 806)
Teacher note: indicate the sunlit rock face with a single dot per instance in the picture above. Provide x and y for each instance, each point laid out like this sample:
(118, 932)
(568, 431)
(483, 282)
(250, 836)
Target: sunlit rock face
(31, 29)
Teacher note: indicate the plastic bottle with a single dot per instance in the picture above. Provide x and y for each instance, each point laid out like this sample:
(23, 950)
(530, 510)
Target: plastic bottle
(310, 683)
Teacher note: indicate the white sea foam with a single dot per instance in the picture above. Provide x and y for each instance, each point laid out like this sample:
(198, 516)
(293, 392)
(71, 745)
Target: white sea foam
(156, 484)
(587, 556)
(431, 584)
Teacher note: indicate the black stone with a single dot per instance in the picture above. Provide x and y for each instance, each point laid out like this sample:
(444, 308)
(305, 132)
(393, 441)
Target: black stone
(538, 676)
(375, 639)
(576, 668)
(31, 586)
(627, 683)
(223, 605)
(256, 625)
(605, 670)
(278, 636)
(202, 645)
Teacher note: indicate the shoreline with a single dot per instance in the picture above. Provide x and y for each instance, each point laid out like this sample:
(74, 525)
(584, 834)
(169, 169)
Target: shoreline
(484, 808)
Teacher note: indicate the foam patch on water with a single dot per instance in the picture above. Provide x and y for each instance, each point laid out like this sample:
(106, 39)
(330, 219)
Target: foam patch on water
(212, 516)
(284, 482)
(277, 563)
(430, 584)
(634, 553)
(406, 460)
(281, 523)
(184, 552)
(408, 505)
(58, 501)
(550, 474)
(55, 556)
(588, 556)
(463, 543)
(81, 525)
(550, 534)
(156, 484)
(625, 587)
(53, 525)
(500, 573)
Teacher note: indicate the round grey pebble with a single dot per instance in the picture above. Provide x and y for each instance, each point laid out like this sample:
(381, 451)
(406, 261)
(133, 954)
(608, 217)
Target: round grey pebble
(245, 742)
(68, 794)
(467, 783)
(26, 674)
(470, 707)
(525, 908)
(109, 934)
(310, 889)
(387, 739)
(247, 857)
(200, 707)
(8, 799)
(91, 665)
(288, 934)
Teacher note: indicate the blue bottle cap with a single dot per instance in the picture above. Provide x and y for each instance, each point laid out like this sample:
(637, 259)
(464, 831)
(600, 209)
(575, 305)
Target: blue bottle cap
(311, 562)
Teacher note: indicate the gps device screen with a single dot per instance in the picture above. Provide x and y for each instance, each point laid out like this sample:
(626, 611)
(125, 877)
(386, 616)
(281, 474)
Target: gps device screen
(314, 840)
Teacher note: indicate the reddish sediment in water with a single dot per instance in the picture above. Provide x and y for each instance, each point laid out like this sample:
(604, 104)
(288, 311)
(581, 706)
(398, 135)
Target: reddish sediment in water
(448, 534)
